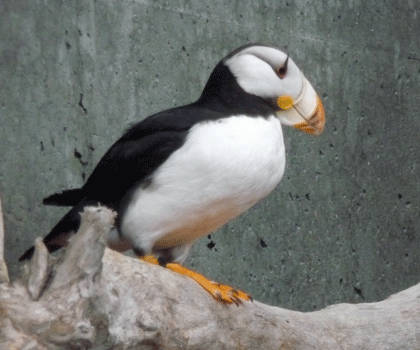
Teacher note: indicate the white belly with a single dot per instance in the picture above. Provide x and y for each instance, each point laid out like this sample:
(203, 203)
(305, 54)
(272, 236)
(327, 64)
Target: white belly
(223, 169)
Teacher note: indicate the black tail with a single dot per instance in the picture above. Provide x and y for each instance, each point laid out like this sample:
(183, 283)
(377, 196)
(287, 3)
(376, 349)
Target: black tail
(28, 254)
(61, 232)
(67, 198)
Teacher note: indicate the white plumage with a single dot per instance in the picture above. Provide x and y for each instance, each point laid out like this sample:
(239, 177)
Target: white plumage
(223, 169)
(255, 70)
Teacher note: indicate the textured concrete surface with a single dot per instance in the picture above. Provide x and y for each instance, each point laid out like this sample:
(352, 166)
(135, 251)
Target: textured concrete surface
(343, 226)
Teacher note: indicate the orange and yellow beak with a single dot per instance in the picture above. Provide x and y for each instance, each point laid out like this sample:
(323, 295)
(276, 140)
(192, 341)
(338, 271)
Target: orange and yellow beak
(305, 113)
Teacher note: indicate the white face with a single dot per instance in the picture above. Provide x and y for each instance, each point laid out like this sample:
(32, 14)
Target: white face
(256, 67)
(270, 74)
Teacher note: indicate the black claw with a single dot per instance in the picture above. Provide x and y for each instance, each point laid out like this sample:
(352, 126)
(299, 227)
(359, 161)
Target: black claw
(139, 252)
(162, 261)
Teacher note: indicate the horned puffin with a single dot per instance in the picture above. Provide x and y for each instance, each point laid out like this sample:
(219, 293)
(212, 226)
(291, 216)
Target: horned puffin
(182, 173)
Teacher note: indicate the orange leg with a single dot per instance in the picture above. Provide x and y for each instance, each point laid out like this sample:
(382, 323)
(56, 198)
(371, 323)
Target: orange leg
(220, 292)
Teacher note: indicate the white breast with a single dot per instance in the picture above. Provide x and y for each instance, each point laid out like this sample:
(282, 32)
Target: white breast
(223, 169)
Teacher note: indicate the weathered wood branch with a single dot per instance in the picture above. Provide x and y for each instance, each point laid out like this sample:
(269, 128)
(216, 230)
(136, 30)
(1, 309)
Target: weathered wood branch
(93, 298)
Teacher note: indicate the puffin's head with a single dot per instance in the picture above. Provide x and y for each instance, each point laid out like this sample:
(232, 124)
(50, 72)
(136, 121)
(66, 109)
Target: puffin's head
(272, 75)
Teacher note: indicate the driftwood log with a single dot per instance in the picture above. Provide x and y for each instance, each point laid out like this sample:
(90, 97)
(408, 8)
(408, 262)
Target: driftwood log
(93, 298)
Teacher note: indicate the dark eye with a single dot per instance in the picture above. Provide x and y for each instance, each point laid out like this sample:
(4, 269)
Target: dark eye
(283, 70)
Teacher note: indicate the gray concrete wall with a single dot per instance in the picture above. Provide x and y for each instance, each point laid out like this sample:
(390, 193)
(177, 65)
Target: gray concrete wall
(343, 226)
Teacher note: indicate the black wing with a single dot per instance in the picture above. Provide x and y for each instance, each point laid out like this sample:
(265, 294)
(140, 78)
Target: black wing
(128, 163)
(66, 198)
(135, 156)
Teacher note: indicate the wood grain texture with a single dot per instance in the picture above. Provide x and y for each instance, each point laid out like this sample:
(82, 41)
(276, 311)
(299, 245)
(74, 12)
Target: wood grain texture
(95, 298)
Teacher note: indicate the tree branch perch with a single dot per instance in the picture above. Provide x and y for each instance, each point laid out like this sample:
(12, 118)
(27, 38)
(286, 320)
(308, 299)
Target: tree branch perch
(93, 298)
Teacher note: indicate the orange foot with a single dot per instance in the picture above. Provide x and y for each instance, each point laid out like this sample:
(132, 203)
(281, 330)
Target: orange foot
(220, 292)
